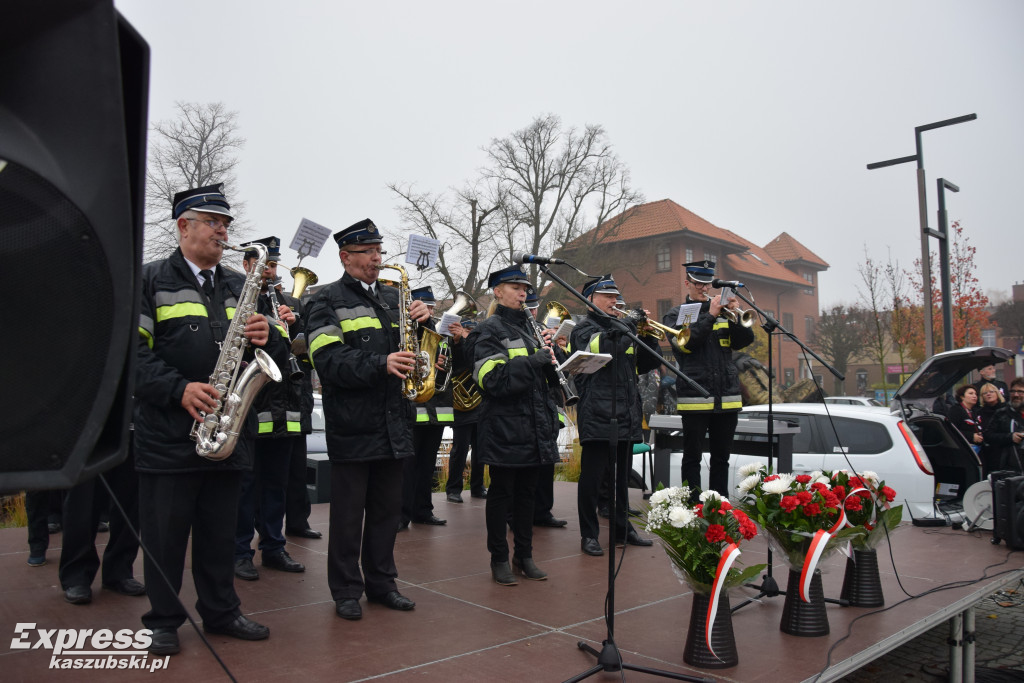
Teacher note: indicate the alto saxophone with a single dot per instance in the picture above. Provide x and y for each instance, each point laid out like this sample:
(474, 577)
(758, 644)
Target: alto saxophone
(419, 382)
(216, 435)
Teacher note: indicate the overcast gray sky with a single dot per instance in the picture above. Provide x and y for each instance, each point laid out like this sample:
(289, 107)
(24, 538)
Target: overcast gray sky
(758, 116)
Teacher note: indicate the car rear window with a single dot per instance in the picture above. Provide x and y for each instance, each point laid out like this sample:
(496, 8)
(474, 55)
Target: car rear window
(856, 436)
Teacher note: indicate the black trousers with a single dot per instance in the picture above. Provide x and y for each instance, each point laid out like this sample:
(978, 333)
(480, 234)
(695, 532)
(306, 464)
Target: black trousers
(262, 499)
(84, 504)
(512, 490)
(464, 437)
(297, 506)
(366, 502)
(418, 478)
(544, 497)
(593, 471)
(719, 428)
(171, 505)
(37, 511)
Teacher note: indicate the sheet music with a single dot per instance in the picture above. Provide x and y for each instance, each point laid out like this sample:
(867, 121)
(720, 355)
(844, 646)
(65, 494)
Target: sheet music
(446, 320)
(687, 314)
(422, 251)
(309, 238)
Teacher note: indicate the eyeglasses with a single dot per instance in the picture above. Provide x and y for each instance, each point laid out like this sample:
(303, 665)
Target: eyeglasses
(1017, 392)
(213, 223)
(700, 285)
(368, 251)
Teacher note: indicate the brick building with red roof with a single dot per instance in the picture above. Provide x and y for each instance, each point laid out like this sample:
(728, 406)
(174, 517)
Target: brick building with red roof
(644, 249)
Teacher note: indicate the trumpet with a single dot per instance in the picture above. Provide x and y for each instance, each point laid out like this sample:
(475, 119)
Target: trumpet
(645, 325)
(745, 318)
(302, 278)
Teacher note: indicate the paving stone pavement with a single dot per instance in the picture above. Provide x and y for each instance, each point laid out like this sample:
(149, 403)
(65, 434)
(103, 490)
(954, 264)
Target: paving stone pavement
(999, 647)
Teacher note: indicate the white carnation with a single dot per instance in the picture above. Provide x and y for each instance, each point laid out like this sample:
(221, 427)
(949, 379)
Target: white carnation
(749, 469)
(869, 476)
(749, 483)
(705, 495)
(659, 496)
(780, 485)
(680, 517)
(820, 480)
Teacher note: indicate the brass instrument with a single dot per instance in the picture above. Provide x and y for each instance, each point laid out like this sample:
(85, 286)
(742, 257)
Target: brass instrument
(419, 382)
(745, 318)
(464, 306)
(645, 325)
(303, 277)
(465, 393)
(216, 434)
(569, 395)
(553, 309)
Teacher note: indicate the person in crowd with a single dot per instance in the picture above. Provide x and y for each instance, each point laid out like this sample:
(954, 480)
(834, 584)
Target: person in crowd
(964, 415)
(432, 416)
(1002, 426)
(707, 359)
(357, 348)
(278, 409)
(598, 391)
(988, 376)
(466, 415)
(42, 521)
(518, 421)
(188, 302)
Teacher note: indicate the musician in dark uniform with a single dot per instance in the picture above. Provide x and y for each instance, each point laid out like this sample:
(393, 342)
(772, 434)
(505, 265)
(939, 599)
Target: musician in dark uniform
(464, 433)
(707, 359)
(278, 408)
(355, 343)
(432, 416)
(596, 390)
(188, 300)
(518, 421)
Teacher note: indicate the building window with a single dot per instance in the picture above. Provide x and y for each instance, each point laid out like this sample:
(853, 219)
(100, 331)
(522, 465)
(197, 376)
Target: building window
(689, 255)
(809, 277)
(770, 312)
(664, 306)
(709, 256)
(988, 337)
(808, 326)
(663, 259)
(787, 321)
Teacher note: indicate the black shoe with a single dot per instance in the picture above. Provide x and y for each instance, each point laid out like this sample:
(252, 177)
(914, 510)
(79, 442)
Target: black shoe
(36, 560)
(103, 527)
(502, 573)
(282, 561)
(603, 511)
(479, 494)
(78, 595)
(431, 520)
(454, 497)
(304, 533)
(633, 512)
(165, 641)
(633, 538)
(348, 608)
(245, 570)
(393, 600)
(550, 522)
(529, 569)
(241, 628)
(126, 587)
(53, 527)
(591, 546)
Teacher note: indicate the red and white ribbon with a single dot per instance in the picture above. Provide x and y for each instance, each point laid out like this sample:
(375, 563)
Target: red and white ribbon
(729, 555)
(818, 543)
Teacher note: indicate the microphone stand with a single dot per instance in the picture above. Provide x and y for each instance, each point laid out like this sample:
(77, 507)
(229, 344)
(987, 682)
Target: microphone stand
(769, 587)
(609, 658)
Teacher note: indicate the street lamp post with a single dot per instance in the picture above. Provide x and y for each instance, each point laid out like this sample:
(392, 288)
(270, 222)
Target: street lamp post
(943, 237)
(922, 205)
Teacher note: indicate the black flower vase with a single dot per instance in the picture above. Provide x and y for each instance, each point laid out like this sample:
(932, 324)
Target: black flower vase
(862, 586)
(723, 640)
(806, 619)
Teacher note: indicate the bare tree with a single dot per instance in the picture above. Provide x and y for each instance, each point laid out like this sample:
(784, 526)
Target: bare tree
(839, 338)
(904, 326)
(556, 183)
(200, 147)
(875, 300)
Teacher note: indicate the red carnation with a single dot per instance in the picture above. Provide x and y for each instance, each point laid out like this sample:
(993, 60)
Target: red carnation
(853, 504)
(715, 533)
(831, 500)
(812, 509)
(698, 510)
(819, 487)
(771, 477)
(889, 494)
(804, 496)
(803, 478)
(839, 491)
(789, 503)
(747, 528)
(726, 505)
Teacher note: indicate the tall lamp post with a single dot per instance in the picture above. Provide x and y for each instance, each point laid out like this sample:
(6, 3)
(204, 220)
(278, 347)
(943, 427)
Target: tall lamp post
(943, 237)
(922, 205)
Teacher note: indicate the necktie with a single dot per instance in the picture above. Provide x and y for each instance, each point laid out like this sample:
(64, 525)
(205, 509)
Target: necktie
(207, 283)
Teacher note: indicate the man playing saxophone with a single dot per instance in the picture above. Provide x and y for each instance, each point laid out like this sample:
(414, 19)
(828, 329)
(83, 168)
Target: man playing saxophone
(188, 300)
(357, 345)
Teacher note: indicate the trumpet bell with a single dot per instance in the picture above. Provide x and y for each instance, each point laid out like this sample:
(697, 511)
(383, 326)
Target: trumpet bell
(745, 318)
(464, 305)
(303, 277)
(552, 310)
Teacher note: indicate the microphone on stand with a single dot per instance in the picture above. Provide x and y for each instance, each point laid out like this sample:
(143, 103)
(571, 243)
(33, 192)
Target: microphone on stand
(533, 258)
(719, 284)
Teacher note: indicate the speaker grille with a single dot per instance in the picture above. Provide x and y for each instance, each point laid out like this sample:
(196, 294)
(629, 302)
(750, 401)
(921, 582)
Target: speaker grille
(58, 321)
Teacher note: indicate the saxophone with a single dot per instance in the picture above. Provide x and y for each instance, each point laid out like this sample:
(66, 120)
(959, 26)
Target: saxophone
(216, 435)
(419, 382)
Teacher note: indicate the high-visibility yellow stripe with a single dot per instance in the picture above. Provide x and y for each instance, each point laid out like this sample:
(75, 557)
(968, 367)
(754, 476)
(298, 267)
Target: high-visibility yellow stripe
(513, 353)
(595, 343)
(322, 340)
(732, 404)
(445, 417)
(147, 336)
(695, 406)
(360, 323)
(181, 310)
(293, 426)
(486, 367)
(266, 428)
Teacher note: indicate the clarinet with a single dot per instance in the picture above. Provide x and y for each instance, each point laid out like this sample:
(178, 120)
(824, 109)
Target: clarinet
(295, 372)
(569, 396)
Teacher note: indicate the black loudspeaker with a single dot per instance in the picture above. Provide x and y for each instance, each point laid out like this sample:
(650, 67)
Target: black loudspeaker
(1008, 501)
(73, 116)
